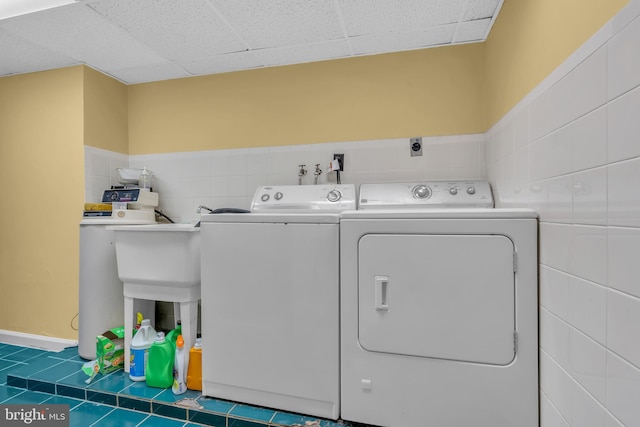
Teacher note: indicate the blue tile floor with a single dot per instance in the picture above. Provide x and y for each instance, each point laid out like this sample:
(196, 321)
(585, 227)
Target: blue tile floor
(31, 376)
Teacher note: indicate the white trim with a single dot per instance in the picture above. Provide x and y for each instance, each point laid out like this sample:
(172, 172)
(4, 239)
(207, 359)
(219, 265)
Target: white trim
(35, 341)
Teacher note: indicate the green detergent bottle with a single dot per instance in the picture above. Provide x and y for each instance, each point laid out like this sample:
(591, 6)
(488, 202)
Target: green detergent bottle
(172, 335)
(159, 372)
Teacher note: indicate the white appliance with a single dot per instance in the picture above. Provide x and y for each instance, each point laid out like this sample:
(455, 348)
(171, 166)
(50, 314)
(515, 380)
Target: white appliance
(270, 300)
(438, 308)
(101, 300)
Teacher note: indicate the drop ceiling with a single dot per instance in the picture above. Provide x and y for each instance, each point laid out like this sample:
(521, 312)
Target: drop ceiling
(138, 41)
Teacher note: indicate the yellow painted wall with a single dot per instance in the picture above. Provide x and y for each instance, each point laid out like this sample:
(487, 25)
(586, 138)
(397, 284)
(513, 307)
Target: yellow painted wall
(441, 91)
(106, 116)
(530, 39)
(42, 173)
(424, 92)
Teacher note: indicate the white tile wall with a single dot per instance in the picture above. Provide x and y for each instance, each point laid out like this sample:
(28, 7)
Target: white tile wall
(624, 268)
(588, 364)
(623, 196)
(623, 390)
(575, 158)
(585, 410)
(590, 140)
(100, 171)
(554, 291)
(229, 178)
(549, 415)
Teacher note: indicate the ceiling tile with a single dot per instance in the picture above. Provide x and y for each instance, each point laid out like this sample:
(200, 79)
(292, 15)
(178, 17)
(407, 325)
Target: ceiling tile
(472, 31)
(149, 74)
(150, 40)
(175, 29)
(382, 16)
(82, 34)
(479, 9)
(18, 55)
(403, 41)
(301, 54)
(221, 63)
(278, 23)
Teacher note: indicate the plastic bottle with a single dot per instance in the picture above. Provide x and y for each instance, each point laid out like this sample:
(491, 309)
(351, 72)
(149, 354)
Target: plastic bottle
(144, 181)
(160, 364)
(140, 344)
(179, 386)
(194, 371)
(172, 335)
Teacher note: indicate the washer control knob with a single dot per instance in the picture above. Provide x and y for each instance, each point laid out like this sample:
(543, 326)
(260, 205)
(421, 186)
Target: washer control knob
(334, 195)
(453, 191)
(264, 197)
(278, 196)
(471, 190)
(421, 192)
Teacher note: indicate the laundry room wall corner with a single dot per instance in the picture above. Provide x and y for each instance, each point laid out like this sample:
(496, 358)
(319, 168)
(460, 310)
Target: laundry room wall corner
(106, 112)
(569, 150)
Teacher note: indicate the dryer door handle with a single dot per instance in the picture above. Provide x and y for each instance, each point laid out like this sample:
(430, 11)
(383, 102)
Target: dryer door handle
(381, 293)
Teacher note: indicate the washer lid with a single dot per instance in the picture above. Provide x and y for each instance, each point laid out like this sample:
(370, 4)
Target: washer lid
(426, 194)
(304, 198)
(303, 217)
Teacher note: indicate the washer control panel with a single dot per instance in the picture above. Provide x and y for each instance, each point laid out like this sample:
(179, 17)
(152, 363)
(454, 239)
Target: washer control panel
(427, 194)
(301, 198)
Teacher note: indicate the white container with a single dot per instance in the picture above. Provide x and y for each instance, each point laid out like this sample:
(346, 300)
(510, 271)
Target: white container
(140, 345)
(179, 380)
(144, 182)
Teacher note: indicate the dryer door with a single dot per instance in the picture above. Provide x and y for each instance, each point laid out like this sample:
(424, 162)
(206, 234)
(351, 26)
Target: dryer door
(437, 296)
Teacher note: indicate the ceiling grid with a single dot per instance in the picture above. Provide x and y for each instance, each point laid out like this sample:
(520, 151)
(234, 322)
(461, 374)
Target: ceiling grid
(138, 41)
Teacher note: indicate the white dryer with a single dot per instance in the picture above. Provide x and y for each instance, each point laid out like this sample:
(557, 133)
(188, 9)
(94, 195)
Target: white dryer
(438, 308)
(270, 300)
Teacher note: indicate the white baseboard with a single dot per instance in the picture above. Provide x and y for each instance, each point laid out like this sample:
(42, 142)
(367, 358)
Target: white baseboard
(35, 341)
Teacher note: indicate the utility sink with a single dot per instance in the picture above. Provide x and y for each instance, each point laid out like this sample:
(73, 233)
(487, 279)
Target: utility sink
(158, 254)
(159, 262)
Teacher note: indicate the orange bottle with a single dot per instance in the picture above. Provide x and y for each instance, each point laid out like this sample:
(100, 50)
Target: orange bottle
(194, 371)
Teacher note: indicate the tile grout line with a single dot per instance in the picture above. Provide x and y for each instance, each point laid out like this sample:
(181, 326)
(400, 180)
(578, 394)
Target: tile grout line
(228, 417)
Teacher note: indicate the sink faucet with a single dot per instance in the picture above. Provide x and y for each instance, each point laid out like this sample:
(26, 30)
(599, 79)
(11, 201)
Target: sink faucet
(302, 172)
(317, 174)
(199, 210)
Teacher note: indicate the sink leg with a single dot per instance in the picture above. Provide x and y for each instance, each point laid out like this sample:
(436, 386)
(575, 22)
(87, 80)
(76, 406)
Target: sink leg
(189, 318)
(176, 314)
(128, 331)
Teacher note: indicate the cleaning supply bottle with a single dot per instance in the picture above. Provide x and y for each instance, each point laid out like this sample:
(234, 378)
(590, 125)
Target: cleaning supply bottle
(159, 371)
(172, 335)
(140, 344)
(144, 182)
(179, 385)
(194, 370)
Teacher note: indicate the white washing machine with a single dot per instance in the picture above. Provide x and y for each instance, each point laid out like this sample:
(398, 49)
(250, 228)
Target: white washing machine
(270, 300)
(439, 304)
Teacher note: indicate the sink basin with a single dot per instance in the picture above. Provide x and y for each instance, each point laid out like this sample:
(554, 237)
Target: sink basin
(158, 254)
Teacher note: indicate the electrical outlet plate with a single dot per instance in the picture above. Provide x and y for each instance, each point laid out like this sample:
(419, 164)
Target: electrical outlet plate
(340, 157)
(415, 145)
